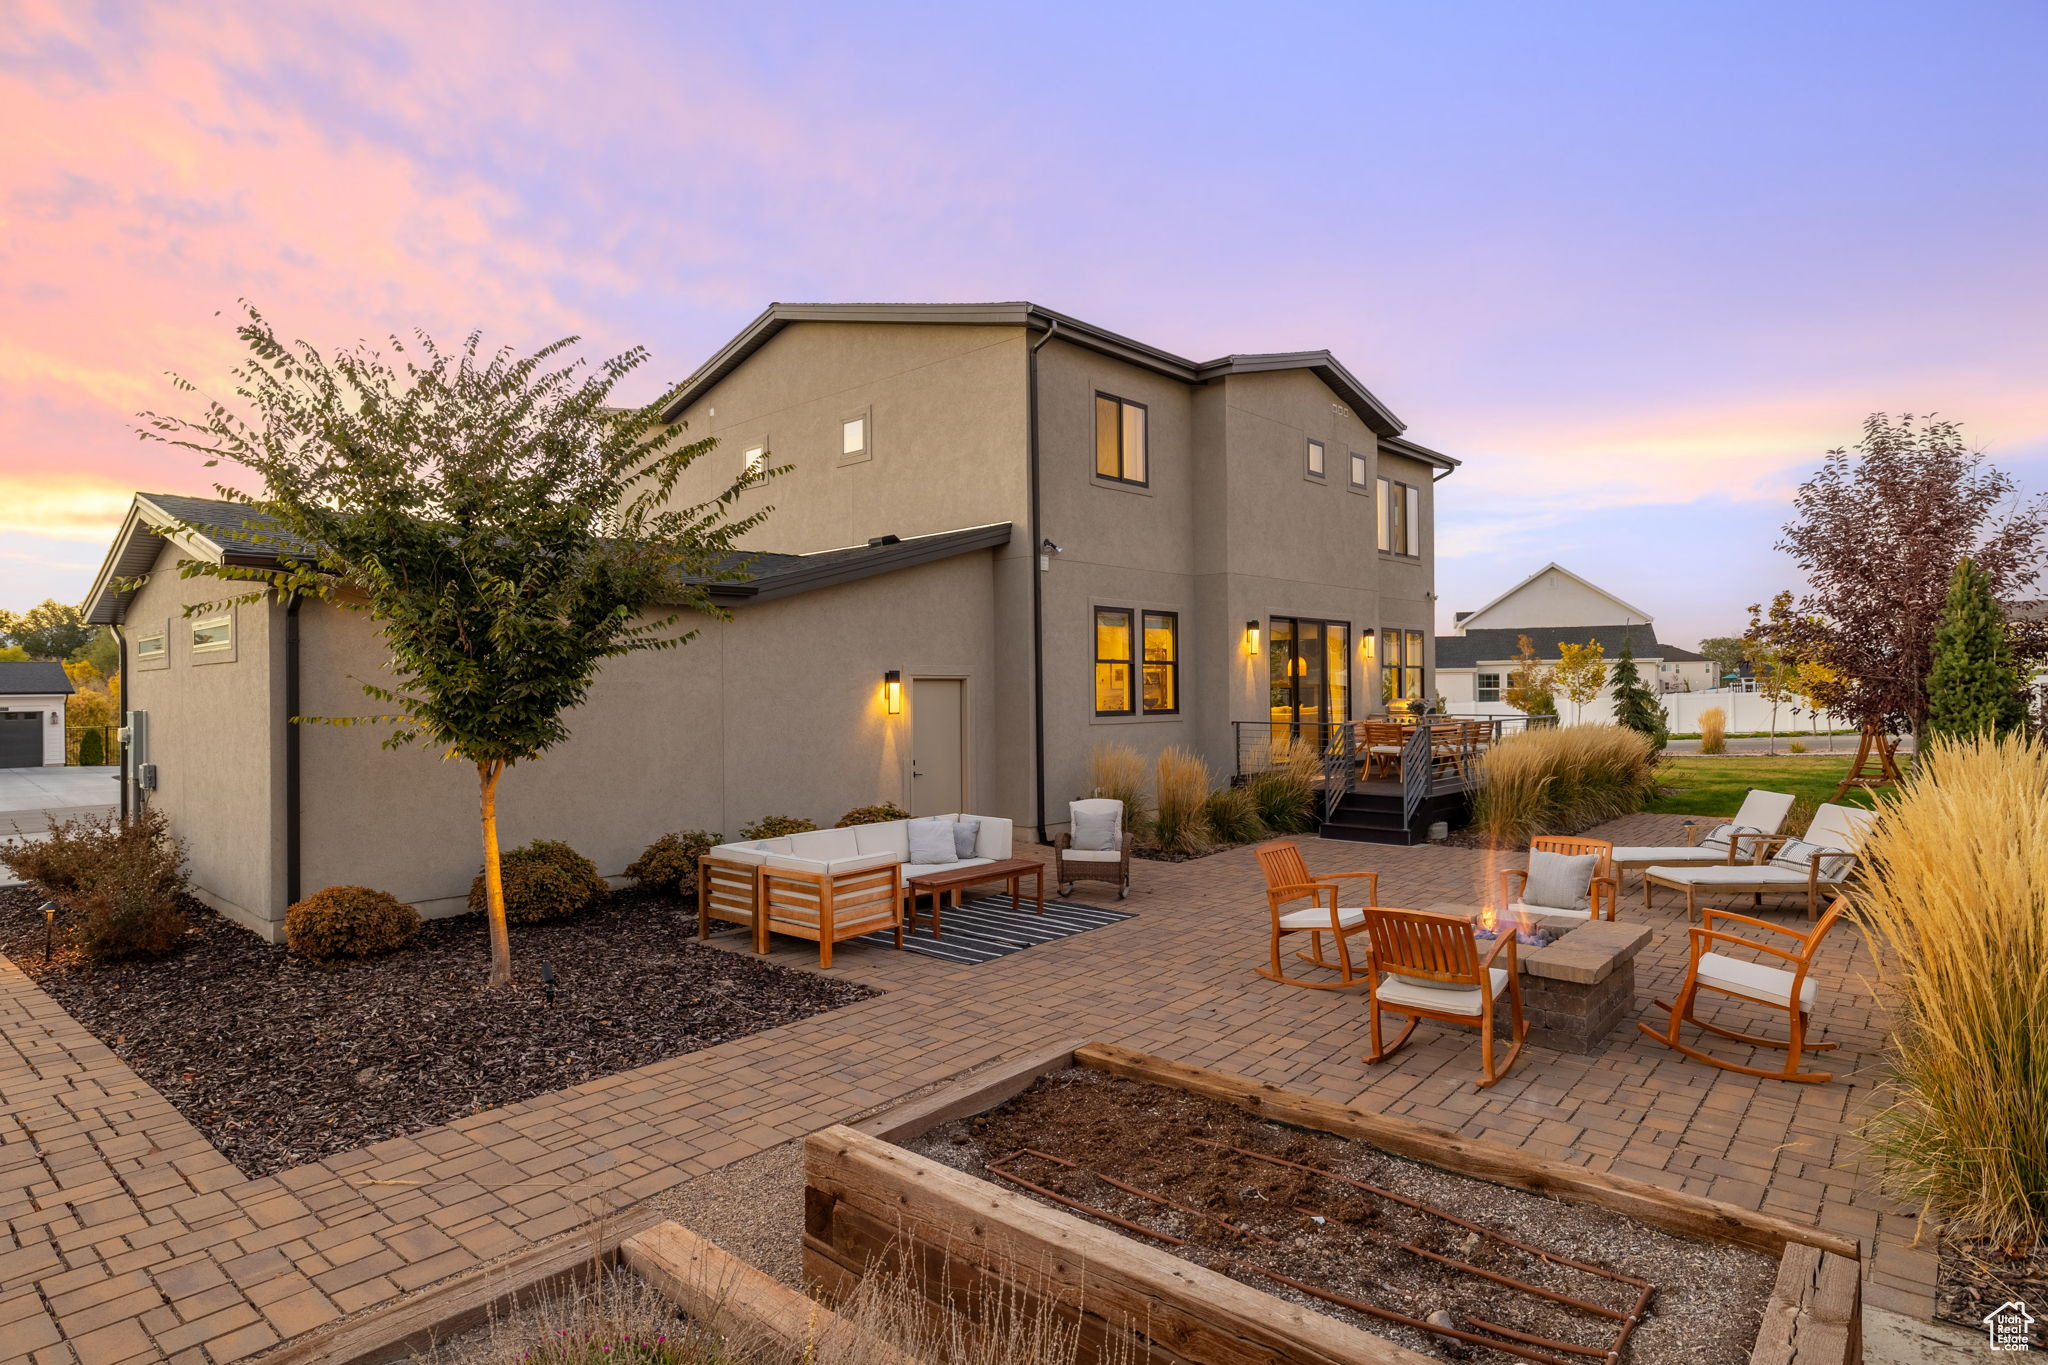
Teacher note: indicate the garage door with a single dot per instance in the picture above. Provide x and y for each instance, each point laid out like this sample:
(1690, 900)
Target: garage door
(21, 739)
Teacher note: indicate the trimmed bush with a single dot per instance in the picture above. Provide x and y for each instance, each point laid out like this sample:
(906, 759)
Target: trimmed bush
(775, 826)
(872, 815)
(1562, 780)
(92, 749)
(349, 922)
(670, 862)
(1180, 782)
(122, 884)
(1234, 816)
(544, 880)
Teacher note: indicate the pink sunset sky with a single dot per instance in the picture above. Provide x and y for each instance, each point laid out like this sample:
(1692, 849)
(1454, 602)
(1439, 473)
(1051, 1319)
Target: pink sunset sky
(1638, 266)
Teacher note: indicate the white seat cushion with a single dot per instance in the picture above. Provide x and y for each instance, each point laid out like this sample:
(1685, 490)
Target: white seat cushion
(890, 836)
(1318, 918)
(1092, 855)
(1522, 908)
(824, 845)
(1742, 876)
(1646, 855)
(912, 871)
(783, 862)
(1753, 981)
(1428, 995)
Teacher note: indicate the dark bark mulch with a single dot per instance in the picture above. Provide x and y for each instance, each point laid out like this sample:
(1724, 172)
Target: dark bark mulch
(1973, 1277)
(279, 1061)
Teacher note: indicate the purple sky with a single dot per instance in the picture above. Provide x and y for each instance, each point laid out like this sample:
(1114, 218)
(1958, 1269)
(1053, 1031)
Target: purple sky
(1637, 265)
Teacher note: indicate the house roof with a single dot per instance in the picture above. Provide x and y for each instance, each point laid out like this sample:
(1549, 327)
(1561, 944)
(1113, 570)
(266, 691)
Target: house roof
(1555, 567)
(1031, 316)
(228, 532)
(20, 678)
(1496, 645)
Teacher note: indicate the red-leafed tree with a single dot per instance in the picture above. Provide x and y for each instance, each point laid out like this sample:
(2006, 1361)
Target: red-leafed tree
(1878, 532)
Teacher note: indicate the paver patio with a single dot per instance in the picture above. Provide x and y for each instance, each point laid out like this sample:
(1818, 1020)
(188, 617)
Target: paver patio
(133, 1240)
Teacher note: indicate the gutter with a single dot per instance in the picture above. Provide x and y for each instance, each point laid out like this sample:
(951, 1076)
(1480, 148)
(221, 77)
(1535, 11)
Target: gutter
(291, 750)
(121, 672)
(1052, 325)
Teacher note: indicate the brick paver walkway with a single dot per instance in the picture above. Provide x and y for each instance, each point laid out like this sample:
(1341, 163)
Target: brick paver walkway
(133, 1240)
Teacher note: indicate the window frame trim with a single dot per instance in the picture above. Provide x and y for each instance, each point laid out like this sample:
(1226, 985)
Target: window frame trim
(1310, 446)
(866, 417)
(1129, 661)
(1361, 464)
(1173, 664)
(220, 646)
(1122, 463)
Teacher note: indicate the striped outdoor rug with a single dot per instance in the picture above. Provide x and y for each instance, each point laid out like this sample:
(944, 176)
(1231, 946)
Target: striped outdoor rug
(984, 928)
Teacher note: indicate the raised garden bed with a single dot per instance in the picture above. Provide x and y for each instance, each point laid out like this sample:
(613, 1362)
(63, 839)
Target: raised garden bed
(1197, 1243)
(279, 1061)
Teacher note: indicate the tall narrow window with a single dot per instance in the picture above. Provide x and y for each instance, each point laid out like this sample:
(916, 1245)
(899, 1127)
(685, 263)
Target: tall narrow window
(1113, 692)
(1120, 436)
(1400, 517)
(1411, 667)
(1411, 520)
(1358, 470)
(1315, 459)
(1162, 661)
(1386, 500)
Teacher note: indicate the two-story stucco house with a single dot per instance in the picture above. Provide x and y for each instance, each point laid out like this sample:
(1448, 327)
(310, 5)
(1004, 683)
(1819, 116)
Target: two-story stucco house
(1005, 536)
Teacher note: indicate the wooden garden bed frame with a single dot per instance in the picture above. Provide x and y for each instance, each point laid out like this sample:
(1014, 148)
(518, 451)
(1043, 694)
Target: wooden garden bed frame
(869, 1201)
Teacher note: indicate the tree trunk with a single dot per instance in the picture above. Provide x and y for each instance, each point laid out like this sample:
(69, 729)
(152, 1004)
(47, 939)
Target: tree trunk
(494, 880)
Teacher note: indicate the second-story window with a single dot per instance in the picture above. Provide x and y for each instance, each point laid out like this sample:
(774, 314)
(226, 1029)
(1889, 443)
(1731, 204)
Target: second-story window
(1120, 452)
(853, 439)
(1400, 518)
(1113, 662)
(1315, 459)
(757, 457)
(1359, 473)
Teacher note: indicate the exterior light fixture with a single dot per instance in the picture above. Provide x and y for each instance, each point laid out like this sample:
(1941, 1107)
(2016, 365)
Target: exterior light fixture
(1251, 637)
(49, 909)
(892, 691)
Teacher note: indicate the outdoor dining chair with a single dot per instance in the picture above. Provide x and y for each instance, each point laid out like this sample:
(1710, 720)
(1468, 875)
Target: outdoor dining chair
(1427, 965)
(1790, 989)
(1289, 883)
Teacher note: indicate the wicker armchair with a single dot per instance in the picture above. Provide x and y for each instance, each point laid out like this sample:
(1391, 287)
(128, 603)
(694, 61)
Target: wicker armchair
(1111, 865)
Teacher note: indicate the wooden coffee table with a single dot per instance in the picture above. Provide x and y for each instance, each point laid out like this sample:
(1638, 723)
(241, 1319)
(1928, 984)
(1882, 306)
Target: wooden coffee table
(938, 884)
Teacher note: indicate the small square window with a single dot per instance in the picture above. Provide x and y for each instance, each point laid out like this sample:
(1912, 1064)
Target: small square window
(757, 459)
(1359, 473)
(853, 438)
(1489, 687)
(1315, 459)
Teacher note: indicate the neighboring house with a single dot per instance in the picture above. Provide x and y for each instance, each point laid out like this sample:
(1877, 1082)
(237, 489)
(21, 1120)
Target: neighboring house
(32, 701)
(1048, 536)
(1555, 606)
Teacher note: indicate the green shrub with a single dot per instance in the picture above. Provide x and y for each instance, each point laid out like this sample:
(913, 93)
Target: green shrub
(349, 922)
(670, 862)
(1284, 795)
(1562, 780)
(122, 884)
(776, 826)
(1180, 784)
(872, 815)
(1234, 816)
(92, 749)
(544, 880)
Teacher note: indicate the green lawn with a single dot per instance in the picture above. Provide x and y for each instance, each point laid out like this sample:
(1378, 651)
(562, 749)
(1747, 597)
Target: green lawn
(1715, 786)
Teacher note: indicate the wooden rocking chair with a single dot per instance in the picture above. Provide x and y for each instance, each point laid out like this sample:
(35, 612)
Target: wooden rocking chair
(1433, 970)
(1771, 987)
(1288, 881)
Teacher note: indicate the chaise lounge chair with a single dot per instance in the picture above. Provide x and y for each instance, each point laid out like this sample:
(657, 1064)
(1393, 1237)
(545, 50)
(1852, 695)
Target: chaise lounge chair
(1761, 817)
(1818, 865)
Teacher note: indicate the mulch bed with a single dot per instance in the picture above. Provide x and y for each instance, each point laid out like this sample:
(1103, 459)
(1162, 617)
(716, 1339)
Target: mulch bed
(279, 1061)
(1974, 1277)
(1706, 1310)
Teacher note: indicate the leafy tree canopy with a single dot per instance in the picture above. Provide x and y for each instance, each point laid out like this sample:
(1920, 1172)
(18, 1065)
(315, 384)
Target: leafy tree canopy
(51, 631)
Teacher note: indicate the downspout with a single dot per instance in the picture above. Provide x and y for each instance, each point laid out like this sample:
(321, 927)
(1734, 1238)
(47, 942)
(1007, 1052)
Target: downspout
(291, 750)
(121, 672)
(1037, 581)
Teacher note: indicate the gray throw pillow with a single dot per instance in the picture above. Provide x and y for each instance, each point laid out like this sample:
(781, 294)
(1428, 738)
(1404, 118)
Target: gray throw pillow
(1094, 830)
(1562, 881)
(931, 841)
(1797, 856)
(965, 832)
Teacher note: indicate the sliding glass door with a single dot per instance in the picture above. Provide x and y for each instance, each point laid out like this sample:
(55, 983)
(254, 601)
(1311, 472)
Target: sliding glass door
(1308, 667)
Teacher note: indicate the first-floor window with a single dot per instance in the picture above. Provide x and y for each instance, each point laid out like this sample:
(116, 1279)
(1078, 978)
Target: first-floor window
(1489, 687)
(1161, 690)
(1113, 695)
(1401, 665)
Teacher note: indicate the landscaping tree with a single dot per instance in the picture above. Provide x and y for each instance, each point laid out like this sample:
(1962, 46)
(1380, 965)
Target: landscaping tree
(502, 521)
(1727, 653)
(1809, 681)
(1877, 533)
(1581, 672)
(1635, 706)
(1767, 644)
(50, 631)
(1975, 689)
(1530, 688)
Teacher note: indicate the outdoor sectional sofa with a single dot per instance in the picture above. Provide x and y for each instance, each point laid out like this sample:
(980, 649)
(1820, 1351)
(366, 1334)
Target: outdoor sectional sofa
(826, 885)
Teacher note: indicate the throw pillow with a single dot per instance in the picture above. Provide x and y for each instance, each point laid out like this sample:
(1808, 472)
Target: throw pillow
(931, 841)
(1562, 881)
(1094, 830)
(1721, 835)
(1797, 856)
(965, 833)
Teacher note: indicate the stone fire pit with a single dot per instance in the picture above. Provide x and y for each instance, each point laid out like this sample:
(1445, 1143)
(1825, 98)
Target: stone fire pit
(1578, 988)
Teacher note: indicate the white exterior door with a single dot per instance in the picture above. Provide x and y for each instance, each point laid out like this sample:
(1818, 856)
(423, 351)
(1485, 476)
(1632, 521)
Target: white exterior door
(938, 761)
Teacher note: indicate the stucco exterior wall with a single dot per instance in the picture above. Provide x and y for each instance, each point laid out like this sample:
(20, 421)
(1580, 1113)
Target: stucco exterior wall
(778, 711)
(215, 737)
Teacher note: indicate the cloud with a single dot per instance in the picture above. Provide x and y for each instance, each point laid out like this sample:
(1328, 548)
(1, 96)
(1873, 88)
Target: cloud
(81, 507)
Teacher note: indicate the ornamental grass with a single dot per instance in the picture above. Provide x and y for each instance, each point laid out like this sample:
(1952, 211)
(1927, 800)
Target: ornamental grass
(1561, 780)
(1955, 904)
(1116, 773)
(1180, 786)
(1713, 731)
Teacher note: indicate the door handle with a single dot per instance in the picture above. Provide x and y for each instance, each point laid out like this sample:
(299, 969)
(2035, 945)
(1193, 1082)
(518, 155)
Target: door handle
(913, 769)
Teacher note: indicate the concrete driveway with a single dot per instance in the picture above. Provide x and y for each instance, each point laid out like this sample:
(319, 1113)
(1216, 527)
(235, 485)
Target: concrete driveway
(29, 797)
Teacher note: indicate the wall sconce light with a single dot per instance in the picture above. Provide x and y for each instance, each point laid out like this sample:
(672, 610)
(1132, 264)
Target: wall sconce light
(1251, 637)
(892, 691)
